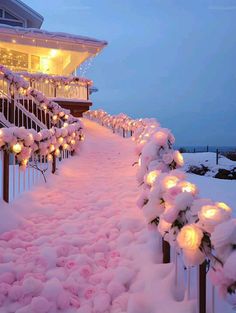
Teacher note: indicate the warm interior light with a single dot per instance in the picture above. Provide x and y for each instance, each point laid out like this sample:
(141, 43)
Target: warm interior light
(53, 53)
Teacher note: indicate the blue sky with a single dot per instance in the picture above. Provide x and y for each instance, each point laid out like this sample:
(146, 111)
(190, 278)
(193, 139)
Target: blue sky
(170, 59)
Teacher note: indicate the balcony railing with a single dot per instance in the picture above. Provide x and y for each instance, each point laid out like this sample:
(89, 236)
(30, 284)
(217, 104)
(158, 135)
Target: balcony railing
(70, 87)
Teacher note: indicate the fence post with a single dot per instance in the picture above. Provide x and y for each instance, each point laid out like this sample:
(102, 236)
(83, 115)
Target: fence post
(217, 156)
(6, 178)
(131, 133)
(207, 148)
(202, 287)
(166, 251)
(123, 132)
(54, 158)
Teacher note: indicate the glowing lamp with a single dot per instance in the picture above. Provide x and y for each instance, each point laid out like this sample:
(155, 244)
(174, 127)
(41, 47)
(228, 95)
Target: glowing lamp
(73, 134)
(72, 142)
(65, 124)
(24, 162)
(188, 187)
(66, 116)
(170, 182)
(209, 211)
(57, 152)
(49, 157)
(60, 140)
(151, 177)
(190, 237)
(54, 118)
(178, 158)
(224, 206)
(51, 148)
(17, 148)
(65, 146)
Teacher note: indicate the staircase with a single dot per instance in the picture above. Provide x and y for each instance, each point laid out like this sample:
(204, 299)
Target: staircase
(17, 108)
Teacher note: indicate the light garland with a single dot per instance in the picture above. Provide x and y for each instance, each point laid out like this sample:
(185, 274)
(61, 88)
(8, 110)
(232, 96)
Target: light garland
(200, 228)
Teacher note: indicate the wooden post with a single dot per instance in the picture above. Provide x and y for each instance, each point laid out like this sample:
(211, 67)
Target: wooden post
(11, 106)
(6, 178)
(54, 158)
(131, 133)
(87, 92)
(202, 288)
(217, 156)
(123, 132)
(165, 251)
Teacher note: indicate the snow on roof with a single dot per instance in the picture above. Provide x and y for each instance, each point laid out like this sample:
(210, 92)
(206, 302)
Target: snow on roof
(56, 36)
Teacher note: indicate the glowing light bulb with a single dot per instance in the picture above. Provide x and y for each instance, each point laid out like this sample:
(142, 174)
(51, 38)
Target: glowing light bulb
(54, 118)
(170, 182)
(17, 148)
(57, 152)
(178, 157)
(49, 157)
(65, 146)
(188, 187)
(53, 53)
(72, 142)
(60, 140)
(224, 206)
(151, 177)
(190, 237)
(51, 148)
(208, 211)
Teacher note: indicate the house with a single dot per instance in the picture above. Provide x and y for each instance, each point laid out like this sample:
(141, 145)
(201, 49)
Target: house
(48, 60)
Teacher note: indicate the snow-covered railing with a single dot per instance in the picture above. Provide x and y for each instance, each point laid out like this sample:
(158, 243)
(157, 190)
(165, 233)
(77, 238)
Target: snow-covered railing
(25, 153)
(69, 87)
(47, 133)
(198, 234)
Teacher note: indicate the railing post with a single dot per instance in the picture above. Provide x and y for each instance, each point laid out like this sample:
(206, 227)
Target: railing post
(165, 251)
(6, 178)
(54, 163)
(202, 288)
(11, 107)
(123, 132)
(217, 156)
(87, 92)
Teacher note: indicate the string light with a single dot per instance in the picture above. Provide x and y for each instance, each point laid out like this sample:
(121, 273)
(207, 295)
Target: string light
(17, 148)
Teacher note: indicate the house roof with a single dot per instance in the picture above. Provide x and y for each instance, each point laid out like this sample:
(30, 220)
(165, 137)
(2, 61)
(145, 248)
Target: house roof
(54, 40)
(34, 19)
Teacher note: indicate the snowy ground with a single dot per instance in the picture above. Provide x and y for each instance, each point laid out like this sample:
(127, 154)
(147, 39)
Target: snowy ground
(208, 159)
(80, 244)
(216, 189)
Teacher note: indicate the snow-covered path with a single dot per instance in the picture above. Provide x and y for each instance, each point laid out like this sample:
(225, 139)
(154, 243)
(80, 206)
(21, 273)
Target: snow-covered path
(83, 245)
